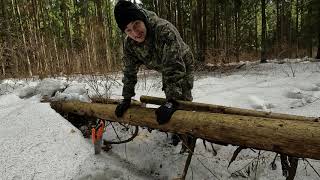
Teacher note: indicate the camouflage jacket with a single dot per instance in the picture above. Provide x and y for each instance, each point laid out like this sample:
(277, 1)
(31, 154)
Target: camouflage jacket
(164, 51)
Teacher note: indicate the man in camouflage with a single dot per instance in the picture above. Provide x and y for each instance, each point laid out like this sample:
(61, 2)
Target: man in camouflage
(157, 44)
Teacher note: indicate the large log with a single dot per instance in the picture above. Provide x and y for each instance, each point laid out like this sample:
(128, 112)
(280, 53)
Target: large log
(112, 101)
(294, 138)
(194, 106)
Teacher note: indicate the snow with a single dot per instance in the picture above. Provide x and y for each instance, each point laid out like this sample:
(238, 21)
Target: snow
(76, 91)
(38, 143)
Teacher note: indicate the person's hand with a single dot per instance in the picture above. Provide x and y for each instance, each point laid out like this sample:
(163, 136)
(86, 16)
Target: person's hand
(165, 111)
(122, 107)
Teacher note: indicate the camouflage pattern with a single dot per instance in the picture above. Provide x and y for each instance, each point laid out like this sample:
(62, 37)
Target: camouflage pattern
(163, 51)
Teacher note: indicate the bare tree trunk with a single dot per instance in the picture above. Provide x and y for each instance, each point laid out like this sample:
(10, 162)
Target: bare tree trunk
(318, 52)
(108, 52)
(44, 56)
(278, 28)
(290, 23)
(4, 15)
(99, 10)
(2, 61)
(89, 55)
(256, 28)
(175, 15)
(3, 29)
(66, 21)
(192, 24)
(282, 34)
(11, 44)
(155, 5)
(3, 69)
(68, 66)
(216, 27)
(195, 27)
(297, 28)
(35, 54)
(204, 30)
(162, 8)
(179, 24)
(56, 53)
(24, 42)
(210, 27)
(263, 32)
(310, 42)
(237, 12)
(200, 35)
(100, 38)
(169, 17)
(93, 47)
(227, 31)
(33, 29)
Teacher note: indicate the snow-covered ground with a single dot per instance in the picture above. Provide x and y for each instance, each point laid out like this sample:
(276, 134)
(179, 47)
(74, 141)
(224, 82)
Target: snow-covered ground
(38, 143)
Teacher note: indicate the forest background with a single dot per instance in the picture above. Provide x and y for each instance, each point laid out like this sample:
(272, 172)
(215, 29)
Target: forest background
(54, 37)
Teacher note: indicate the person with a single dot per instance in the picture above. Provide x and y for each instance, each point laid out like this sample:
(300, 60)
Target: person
(157, 44)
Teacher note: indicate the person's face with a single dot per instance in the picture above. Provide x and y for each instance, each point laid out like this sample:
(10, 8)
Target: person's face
(136, 30)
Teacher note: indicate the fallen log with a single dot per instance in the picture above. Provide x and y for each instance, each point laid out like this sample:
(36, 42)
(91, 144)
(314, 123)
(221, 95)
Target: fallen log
(112, 101)
(294, 138)
(194, 106)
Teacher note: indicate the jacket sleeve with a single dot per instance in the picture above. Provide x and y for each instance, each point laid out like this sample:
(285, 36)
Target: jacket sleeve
(174, 69)
(131, 68)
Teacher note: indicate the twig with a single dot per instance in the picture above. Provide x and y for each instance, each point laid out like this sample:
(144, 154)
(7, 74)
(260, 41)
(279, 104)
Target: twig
(256, 169)
(235, 154)
(184, 144)
(313, 167)
(123, 126)
(214, 152)
(125, 141)
(191, 173)
(125, 151)
(248, 163)
(115, 132)
(192, 145)
(207, 168)
(273, 163)
(293, 167)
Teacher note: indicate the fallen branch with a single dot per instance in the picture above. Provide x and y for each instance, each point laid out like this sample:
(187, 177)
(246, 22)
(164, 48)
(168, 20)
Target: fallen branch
(194, 106)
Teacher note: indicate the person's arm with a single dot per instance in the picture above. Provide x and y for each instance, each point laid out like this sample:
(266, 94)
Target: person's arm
(131, 68)
(174, 69)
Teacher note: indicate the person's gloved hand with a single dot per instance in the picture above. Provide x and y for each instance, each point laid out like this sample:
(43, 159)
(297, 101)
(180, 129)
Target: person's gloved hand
(165, 111)
(122, 107)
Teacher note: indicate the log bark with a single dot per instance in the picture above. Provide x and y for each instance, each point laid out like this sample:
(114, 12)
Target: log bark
(294, 138)
(112, 101)
(194, 106)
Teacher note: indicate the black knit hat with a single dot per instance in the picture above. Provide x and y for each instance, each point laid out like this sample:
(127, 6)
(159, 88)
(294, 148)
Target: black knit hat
(126, 12)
